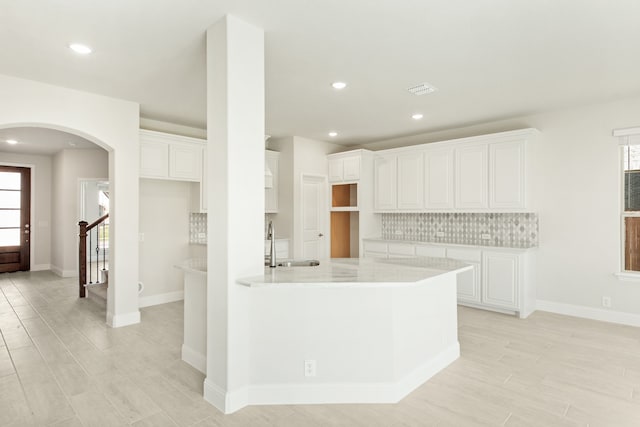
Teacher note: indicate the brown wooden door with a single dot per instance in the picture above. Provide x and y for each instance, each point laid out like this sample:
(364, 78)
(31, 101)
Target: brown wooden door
(15, 211)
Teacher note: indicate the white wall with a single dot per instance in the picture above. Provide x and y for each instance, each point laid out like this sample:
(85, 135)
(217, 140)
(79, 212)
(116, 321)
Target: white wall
(577, 176)
(164, 222)
(40, 205)
(112, 124)
(69, 167)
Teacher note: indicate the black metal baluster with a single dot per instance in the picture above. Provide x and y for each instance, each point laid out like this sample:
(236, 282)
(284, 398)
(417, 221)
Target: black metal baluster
(89, 255)
(98, 254)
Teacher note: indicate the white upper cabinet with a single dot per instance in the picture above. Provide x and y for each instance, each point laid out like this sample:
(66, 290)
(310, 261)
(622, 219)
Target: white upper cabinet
(272, 161)
(344, 167)
(185, 162)
(166, 156)
(385, 173)
(507, 175)
(438, 179)
(480, 174)
(410, 181)
(154, 158)
(471, 176)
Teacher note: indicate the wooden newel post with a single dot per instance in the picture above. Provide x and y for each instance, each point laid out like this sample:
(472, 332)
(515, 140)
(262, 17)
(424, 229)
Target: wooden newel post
(82, 258)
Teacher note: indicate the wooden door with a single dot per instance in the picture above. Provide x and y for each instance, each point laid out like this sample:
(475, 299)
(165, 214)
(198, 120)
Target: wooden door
(632, 244)
(15, 211)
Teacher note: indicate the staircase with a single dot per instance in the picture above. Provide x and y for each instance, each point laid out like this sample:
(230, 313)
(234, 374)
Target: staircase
(93, 274)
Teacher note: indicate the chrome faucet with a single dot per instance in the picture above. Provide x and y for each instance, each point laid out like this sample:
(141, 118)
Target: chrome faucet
(271, 235)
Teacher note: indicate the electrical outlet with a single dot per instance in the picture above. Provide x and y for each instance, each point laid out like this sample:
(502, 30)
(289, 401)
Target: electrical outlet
(439, 233)
(606, 302)
(141, 237)
(309, 368)
(202, 235)
(485, 236)
(398, 233)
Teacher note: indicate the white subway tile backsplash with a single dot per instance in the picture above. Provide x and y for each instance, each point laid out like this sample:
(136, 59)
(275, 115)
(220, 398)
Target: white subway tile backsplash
(514, 230)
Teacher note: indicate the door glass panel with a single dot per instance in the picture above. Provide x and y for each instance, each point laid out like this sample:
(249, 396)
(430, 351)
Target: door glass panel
(9, 199)
(10, 237)
(10, 180)
(9, 218)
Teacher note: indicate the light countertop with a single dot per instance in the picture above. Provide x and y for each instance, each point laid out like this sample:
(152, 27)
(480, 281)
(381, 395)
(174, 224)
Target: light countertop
(341, 272)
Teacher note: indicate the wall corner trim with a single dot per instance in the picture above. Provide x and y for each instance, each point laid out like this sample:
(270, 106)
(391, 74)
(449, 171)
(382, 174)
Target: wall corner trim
(225, 401)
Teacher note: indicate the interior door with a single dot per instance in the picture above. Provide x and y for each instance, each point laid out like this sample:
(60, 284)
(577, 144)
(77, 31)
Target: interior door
(314, 209)
(15, 211)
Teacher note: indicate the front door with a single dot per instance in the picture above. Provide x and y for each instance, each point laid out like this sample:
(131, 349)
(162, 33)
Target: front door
(15, 211)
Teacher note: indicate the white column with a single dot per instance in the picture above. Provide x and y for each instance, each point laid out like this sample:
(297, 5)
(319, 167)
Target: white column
(235, 128)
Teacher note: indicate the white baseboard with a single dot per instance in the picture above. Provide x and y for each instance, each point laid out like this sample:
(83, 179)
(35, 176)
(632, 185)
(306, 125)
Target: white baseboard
(589, 313)
(63, 273)
(194, 358)
(295, 394)
(125, 319)
(225, 402)
(40, 267)
(160, 299)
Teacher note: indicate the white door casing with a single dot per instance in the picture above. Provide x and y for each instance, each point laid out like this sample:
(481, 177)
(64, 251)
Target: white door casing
(314, 211)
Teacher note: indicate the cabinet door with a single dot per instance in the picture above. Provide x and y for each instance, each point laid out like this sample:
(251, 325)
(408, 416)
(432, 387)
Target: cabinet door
(500, 279)
(271, 194)
(438, 179)
(185, 162)
(507, 175)
(471, 177)
(469, 284)
(336, 170)
(410, 181)
(154, 159)
(385, 183)
(351, 168)
(431, 251)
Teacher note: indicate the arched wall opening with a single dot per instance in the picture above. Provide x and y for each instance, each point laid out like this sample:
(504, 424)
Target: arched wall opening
(113, 125)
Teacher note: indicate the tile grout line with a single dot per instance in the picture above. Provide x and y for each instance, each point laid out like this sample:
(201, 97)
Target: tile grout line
(40, 353)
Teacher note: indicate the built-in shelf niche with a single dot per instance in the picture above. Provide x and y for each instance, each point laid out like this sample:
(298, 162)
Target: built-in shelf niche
(344, 197)
(344, 221)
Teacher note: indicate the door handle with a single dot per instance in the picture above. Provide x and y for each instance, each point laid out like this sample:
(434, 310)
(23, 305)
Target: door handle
(320, 235)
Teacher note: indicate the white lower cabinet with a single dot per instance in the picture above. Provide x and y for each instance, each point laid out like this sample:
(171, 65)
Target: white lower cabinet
(500, 276)
(500, 280)
(468, 281)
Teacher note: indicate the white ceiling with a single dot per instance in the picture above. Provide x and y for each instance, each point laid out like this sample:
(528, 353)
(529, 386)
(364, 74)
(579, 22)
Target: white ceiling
(32, 140)
(489, 59)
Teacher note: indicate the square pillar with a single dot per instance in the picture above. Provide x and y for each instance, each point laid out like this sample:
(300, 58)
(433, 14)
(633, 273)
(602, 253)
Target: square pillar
(235, 129)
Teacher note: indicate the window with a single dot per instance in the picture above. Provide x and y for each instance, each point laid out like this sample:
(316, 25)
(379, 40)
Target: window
(629, 140)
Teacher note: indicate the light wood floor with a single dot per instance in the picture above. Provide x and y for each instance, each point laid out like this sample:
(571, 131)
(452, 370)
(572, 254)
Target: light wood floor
(60, 365)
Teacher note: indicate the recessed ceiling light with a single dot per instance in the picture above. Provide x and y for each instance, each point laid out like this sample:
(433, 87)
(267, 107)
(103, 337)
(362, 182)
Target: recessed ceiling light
(338, 85)
(417, 116)
(333, 134)
(80, 48)
(12, 141)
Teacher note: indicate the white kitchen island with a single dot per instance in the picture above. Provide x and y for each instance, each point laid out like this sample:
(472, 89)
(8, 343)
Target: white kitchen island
(350, 330)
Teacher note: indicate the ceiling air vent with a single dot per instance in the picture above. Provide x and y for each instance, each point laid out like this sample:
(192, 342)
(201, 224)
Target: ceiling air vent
(422, 89)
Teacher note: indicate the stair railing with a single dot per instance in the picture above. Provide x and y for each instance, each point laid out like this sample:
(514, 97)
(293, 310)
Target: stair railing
(101, 234)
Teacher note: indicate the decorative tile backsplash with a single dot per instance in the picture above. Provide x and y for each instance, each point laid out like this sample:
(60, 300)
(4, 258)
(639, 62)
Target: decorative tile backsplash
(514, 230)
(198, 228)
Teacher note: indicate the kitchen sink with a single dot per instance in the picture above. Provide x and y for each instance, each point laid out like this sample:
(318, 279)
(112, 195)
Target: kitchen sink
(296, 263)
